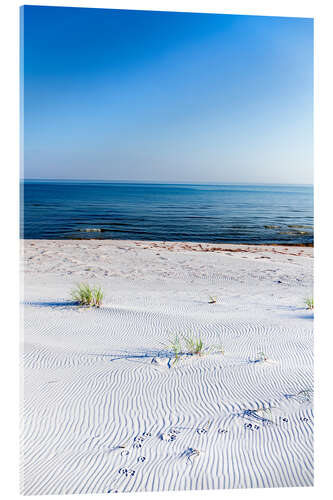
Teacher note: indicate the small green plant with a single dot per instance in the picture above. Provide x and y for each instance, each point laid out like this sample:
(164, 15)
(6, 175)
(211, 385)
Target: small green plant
(176, 348)
(261, 356)
(188, 345)
(85, 295)
(98, 296)
(305, 395)
(309, 303)
(193, 345)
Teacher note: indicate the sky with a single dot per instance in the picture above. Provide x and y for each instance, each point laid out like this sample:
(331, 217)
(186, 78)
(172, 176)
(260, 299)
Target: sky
(166, 97)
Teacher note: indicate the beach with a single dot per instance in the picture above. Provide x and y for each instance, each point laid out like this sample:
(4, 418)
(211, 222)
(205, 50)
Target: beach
(107, 408)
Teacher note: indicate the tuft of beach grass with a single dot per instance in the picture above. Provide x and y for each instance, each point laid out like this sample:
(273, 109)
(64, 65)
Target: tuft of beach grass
(194, 345)
(98, 296)
(309, 303)
(212, 300)
(176, 347)
(261, 356)
(85, 295)
(189, 345)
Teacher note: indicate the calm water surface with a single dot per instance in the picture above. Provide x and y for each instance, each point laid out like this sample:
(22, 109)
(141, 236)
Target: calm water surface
(174, 212)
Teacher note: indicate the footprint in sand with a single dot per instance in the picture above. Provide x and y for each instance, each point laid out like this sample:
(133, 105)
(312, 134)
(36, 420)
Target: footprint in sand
(168, 436)
(204, 429)
(140, 439)
(126, 472)
(252, 427)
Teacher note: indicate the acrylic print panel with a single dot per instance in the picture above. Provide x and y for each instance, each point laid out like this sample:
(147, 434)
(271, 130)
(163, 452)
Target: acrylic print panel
(168, 251)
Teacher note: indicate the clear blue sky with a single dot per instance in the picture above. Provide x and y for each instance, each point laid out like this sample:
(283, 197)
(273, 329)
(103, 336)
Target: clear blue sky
(135, 95)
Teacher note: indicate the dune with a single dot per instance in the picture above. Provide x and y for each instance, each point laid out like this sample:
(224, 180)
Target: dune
(106, 409)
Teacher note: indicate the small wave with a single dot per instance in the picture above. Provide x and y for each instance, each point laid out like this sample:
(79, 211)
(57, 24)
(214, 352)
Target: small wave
(295, 233)
(92, 230)
(299, 226)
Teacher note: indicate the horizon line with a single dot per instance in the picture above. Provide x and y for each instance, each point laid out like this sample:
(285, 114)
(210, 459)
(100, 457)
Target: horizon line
(165, 182)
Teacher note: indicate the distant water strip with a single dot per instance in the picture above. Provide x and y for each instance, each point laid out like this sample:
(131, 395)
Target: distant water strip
(257, 214)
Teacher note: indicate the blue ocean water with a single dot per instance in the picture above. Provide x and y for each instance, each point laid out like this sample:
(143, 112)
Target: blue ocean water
(175, 212)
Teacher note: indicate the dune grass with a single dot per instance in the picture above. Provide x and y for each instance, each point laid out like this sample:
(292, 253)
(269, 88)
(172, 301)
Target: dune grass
(190, 345)
(309, 303)
(85, 295)
(98, 296)
(176, 347)
(261, 356)
(193, 345)
(301, 397)
(305, 395)
(212, 300)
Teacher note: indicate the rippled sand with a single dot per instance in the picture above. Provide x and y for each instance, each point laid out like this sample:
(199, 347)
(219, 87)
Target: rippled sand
(103, 411)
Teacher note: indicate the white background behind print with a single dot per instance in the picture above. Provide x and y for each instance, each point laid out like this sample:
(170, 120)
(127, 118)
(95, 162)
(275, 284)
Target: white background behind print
(9, 31)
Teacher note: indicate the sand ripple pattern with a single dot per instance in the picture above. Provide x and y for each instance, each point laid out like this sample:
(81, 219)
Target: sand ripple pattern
(98, 416)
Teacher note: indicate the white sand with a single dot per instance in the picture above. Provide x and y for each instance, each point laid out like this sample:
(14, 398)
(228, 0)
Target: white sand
(90, 385)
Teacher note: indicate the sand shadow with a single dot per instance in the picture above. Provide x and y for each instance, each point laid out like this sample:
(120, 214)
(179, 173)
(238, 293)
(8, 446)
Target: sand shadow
(157, 357)
(140, 354)
(51, 304)
(291, 308)
(305, 316)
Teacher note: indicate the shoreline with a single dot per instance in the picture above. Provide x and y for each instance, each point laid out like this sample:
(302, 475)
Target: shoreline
(189, 244)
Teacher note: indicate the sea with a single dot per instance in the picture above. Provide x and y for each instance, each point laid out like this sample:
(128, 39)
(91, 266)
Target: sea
(214, 213)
